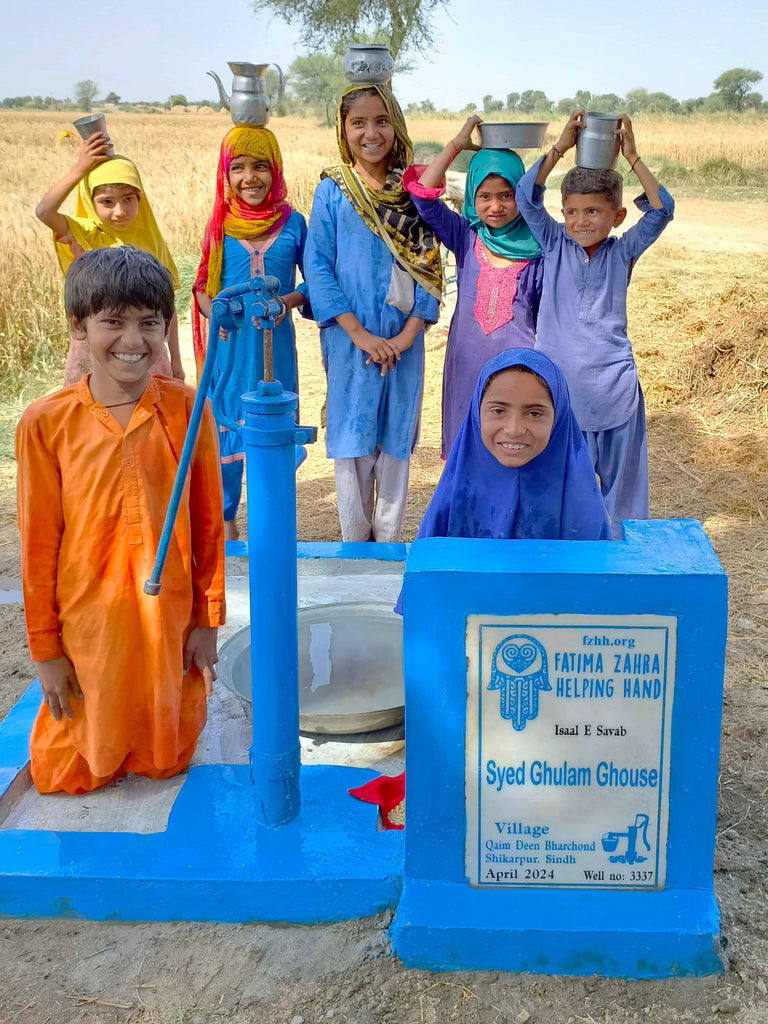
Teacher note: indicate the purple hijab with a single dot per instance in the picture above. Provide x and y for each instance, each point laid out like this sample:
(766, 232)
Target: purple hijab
(555, 496)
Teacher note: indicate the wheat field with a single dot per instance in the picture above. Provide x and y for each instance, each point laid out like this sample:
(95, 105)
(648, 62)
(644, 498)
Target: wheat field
(177, 156)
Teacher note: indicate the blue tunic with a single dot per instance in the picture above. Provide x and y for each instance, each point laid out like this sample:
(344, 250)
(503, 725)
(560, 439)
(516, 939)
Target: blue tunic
(348, 270)
(280, 260)
(582, 322)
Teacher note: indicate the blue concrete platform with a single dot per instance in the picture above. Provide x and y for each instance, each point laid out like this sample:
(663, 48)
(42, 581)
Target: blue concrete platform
(590, 911)
(443, 926)
(212, 862)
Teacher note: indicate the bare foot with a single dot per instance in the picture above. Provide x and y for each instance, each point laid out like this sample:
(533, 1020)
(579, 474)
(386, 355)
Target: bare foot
(231, 531)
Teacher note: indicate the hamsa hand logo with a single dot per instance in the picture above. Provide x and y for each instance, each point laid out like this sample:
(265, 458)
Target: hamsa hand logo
(519, 670)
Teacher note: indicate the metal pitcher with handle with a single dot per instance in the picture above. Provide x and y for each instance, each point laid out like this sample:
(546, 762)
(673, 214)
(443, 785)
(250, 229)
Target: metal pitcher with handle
(250, 103)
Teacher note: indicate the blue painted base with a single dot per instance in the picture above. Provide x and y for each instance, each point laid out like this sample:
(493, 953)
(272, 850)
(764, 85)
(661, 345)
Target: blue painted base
(333, 549)
(443, 926)
(213, 863)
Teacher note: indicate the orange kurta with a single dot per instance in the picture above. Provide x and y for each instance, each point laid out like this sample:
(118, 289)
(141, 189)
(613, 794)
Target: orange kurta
(92, 501)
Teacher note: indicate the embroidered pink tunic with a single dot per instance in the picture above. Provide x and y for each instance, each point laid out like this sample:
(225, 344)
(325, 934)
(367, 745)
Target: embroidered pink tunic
(496, 309)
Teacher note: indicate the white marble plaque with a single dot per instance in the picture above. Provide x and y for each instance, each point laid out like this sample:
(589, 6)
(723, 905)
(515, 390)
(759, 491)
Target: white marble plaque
(568, 746)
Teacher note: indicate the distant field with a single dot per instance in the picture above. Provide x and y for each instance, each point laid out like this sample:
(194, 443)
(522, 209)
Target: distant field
(177, 157)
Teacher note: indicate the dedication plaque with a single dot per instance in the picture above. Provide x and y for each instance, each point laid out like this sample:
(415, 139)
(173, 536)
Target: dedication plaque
(567, 756)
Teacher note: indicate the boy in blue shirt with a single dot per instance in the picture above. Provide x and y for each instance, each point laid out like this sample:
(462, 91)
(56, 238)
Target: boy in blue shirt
(582, 323)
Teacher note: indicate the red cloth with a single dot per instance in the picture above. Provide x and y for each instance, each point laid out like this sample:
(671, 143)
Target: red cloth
(231, 216)
(389, 793)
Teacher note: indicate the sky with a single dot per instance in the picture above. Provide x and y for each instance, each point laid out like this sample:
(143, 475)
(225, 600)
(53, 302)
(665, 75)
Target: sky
(151, 49)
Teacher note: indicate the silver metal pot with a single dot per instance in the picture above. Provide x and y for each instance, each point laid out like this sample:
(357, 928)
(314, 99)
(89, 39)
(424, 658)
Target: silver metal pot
(513, 135)
(597, 147)
(92, 123)
(249, 102)
(368, 64)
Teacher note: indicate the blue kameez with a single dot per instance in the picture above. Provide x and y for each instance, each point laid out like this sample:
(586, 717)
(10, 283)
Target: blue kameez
(348, 269)
(279, 260)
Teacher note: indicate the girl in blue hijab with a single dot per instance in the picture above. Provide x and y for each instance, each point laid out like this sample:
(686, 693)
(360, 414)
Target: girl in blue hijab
(499, 270)
(519, 467)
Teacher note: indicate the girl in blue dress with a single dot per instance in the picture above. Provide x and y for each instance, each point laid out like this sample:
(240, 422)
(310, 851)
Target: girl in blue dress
(519, 468)
(373, 269)
(253, 230)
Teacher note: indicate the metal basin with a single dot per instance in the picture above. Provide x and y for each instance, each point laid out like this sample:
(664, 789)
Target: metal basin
(513, 135)
(350, 667)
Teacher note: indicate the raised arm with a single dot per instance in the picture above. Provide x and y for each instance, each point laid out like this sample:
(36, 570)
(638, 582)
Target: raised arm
(567, 141)
(646, 177)
(93, 151)
(434, 174)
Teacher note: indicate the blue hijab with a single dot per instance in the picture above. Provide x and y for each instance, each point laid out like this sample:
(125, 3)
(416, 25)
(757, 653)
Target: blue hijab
(555, 496)
(514, 241)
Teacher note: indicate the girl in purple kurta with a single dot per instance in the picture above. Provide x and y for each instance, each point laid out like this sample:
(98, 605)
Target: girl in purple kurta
(497, 258)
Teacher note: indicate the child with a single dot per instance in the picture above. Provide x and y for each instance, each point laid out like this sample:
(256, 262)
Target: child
(374, 274)
(499, 272)
(111, 209)
(253, 230)
(582, 321)
(124, 675)
(519, 467)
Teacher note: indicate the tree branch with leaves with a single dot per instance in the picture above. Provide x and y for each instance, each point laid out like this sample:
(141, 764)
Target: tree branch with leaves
(403, 25)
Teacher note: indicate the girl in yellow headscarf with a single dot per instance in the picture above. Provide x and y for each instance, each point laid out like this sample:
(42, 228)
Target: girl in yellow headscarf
(111, 209)
(374, 275)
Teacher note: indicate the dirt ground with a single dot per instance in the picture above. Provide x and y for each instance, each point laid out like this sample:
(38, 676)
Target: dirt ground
(707, 462)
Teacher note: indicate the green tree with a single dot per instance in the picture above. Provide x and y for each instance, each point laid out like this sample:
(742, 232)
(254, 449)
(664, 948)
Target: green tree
(317, 81)
(513, 98)
(490, 105)
(565, 106)
(112, 97)
(177, 100)
(582, 99)
(662, 103)
(85, 94)
(533, 100)
(636, 101)
(692, 105)
(427, 107)
(403, 25)
(607, 101)
(734, 85)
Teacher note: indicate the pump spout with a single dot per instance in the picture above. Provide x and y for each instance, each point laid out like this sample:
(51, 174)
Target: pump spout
(223, 97)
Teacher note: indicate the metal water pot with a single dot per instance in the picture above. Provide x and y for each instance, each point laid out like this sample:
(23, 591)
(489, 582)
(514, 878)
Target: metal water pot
(250, 102)
(597, 147)
(368, 64)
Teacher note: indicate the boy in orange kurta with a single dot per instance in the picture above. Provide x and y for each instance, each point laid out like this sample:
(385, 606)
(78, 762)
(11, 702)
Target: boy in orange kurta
(124, 676)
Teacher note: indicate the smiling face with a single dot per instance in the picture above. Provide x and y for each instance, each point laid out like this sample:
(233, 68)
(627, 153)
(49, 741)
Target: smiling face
(589, 219)
(369, 132)
(116, 205)
(516, 417)
(495, 202)
(250, 179)
(123, 344)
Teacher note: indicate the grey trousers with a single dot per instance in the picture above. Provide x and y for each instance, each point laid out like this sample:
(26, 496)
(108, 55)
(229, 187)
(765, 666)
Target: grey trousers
(371, 492)
(620, 458)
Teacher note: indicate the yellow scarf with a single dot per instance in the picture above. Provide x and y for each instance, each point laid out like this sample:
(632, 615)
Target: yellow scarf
(233, 217)
(389, 211)
(90, 232)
